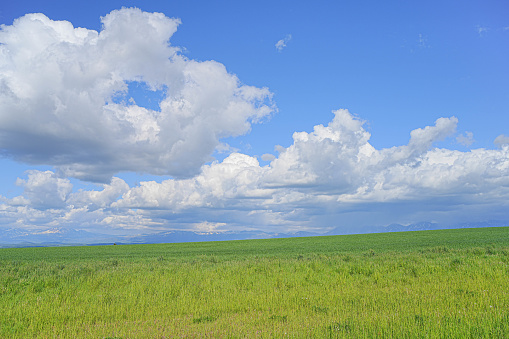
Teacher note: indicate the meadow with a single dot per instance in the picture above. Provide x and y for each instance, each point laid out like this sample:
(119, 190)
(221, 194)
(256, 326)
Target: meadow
(429, 284)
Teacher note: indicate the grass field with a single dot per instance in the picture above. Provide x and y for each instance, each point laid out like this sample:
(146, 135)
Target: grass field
(430, 284)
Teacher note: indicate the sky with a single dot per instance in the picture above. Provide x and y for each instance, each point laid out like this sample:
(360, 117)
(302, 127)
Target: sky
(134, 117)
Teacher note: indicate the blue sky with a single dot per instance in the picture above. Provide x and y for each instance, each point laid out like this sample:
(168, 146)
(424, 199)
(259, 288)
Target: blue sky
(404, 109)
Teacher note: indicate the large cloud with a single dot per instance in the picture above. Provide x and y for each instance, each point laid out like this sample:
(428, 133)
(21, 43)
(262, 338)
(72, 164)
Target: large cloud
(329, 177)
(334, 170)
(65, 98)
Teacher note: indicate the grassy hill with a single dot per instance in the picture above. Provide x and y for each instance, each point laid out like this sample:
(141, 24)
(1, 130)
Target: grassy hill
(447, 283)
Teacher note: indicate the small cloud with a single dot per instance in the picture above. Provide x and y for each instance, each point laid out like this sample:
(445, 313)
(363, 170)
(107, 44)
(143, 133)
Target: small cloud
(419, 44)
(282, 43)
(279, 148)
(466, 139)
(423, 41)
(501, 140)
(481, 30)
(222, 148)
(268, 157)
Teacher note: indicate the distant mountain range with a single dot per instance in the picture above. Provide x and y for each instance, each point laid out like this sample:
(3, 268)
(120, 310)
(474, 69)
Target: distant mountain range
(51, 237)
(71, 237)
(420, 226)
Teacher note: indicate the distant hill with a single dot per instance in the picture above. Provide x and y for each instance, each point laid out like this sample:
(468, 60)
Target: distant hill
(68, 236)
(51, 237)
(421, 226)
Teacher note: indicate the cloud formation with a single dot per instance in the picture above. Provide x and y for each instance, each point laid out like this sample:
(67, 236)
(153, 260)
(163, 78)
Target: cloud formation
(44, 190)
(68, 98)
(65, 98)
(502, 140)
(466, 139)
(329, 177)
(281, 44)
(482, 30)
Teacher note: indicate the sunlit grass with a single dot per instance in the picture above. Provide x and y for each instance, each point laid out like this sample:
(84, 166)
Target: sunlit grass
(416, 284)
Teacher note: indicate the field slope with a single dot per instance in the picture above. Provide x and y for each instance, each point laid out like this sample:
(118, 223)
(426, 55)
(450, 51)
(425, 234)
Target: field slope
(430, 284)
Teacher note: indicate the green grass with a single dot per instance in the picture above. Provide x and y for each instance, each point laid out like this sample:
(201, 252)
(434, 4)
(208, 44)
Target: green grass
(431, 284)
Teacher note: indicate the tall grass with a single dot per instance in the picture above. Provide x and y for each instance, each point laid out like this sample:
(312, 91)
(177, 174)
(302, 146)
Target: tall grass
(408, 285)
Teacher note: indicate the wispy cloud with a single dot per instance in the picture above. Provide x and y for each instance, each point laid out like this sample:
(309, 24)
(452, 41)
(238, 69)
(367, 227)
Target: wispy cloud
(482, 30)
(422, 41)
(268, 157)
(501, 140)
(466, 139)
(281, 44)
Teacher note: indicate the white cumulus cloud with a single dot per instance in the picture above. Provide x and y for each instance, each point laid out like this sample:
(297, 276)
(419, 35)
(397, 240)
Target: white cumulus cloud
(331, 176)
(45, 190)
(65, 98)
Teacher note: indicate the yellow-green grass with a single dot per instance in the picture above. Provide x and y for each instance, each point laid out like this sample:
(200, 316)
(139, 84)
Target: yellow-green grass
(431, 284)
